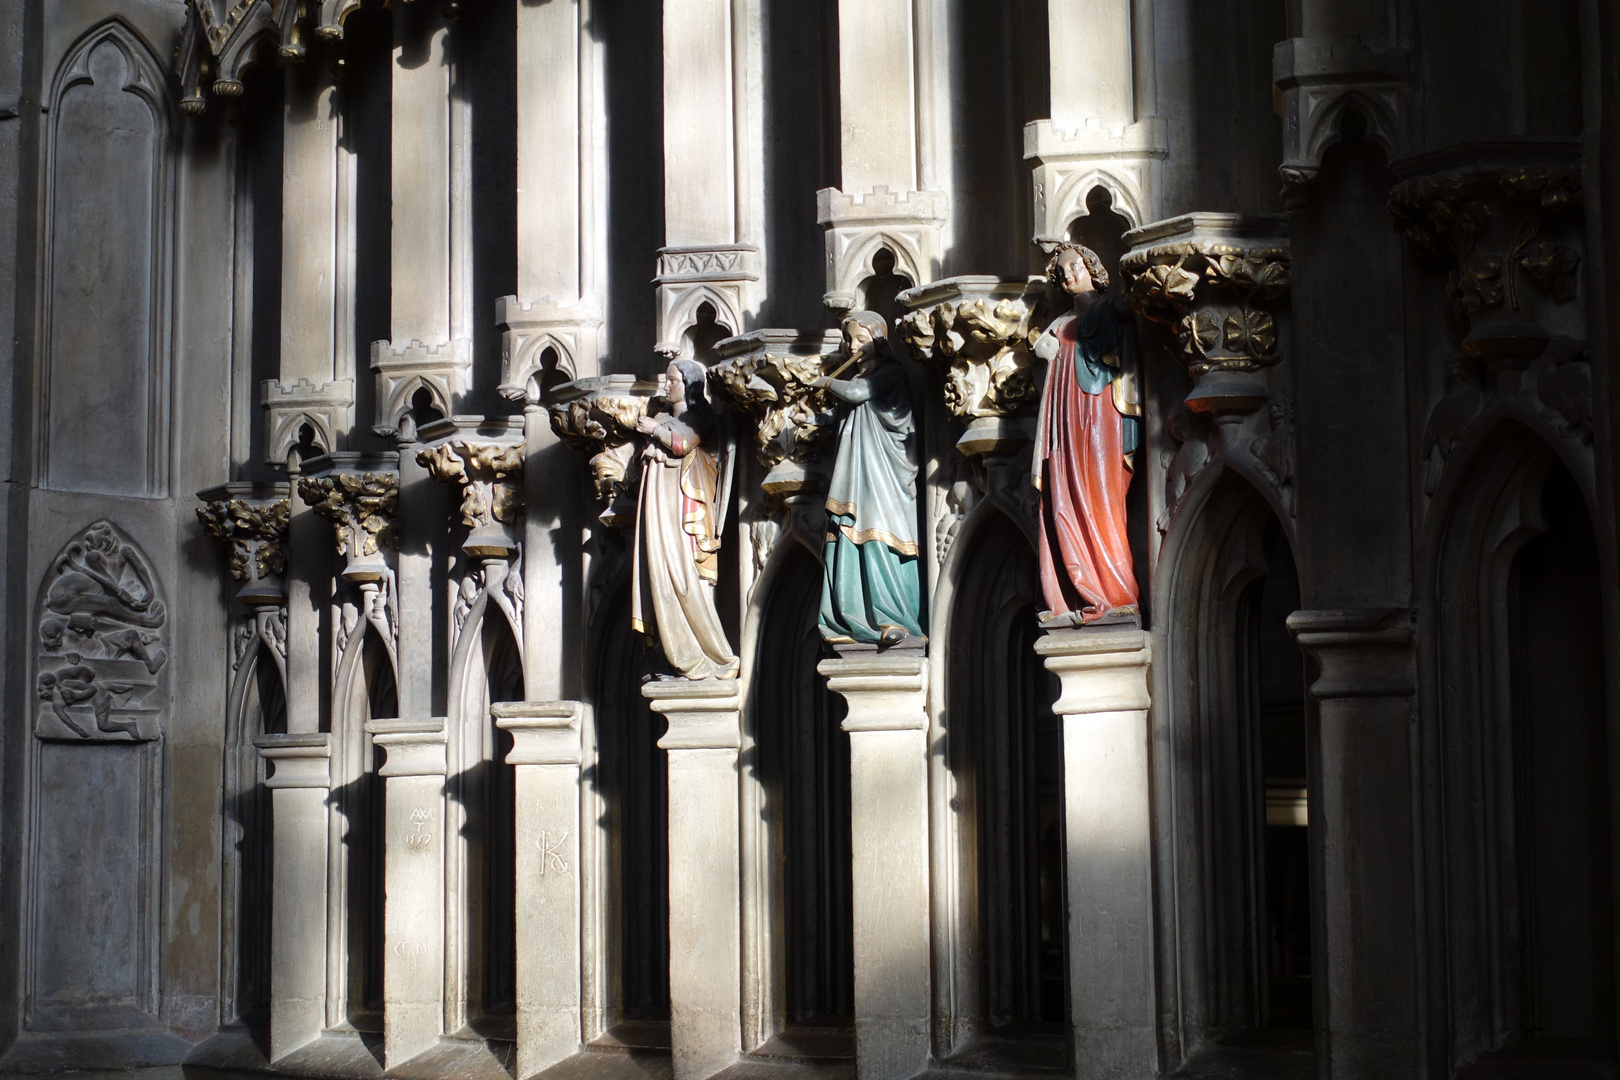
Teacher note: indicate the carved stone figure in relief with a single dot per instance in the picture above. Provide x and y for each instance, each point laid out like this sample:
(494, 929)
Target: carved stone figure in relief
(1084, 446)
(100, 643)
(678, 524)
(871, 590)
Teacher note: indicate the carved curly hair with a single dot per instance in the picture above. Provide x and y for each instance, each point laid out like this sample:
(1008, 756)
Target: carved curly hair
(1094, 266)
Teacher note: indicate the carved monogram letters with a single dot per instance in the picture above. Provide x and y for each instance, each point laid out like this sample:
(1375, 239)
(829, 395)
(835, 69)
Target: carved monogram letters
(101, 643)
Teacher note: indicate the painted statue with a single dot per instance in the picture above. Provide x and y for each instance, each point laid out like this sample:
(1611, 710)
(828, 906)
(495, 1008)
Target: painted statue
(1084, 445)
(678, 523)
(871, 589)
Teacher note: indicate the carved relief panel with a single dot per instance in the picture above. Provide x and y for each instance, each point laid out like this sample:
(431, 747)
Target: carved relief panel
(101, 643)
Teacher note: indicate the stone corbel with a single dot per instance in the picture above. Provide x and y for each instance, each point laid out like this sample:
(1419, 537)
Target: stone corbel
(528, 331)
(1320, 84)
(982, 330)
(860, 224)
(484, 457)
(767, 374)
(1123, 160)
(1218, 281)
(597, 416)
(444, 371)
(326, 408)
(361, 499)
(720, 275)
(254, 524)
(1506, 219)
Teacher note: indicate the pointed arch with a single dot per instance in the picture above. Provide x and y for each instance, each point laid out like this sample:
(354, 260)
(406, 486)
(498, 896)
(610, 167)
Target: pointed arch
(1507, 510)
(108, 171)
(1211, 693)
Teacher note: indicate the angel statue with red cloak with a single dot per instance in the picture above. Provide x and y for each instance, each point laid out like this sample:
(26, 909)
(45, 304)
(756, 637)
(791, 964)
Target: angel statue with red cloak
(1084, 445)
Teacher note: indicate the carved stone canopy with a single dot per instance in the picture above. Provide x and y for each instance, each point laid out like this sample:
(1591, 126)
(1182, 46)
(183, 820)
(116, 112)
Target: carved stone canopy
(1218, 281)
(597, 416)
(484, 455)
(767, 374)
(221, 38)
(1505, 218)
(360, 496)
(253, 521)
(982, 329)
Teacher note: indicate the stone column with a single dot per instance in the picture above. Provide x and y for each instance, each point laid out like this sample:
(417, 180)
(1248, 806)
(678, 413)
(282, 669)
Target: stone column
(888, 763)
(413, 884)
(1108, 861)
(705, 883)
(429, 320)
(300, 784)
(546, 754)
(1105, 130)
(1366, 941)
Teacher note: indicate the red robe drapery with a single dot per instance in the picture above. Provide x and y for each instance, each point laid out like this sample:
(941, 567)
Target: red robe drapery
(1085, 556)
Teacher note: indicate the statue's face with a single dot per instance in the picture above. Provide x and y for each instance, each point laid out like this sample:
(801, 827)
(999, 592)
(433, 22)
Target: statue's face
(1072, 273)
(858, 336)
(674, 386)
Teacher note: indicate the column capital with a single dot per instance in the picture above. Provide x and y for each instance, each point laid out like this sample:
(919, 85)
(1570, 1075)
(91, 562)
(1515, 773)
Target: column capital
(484, 456)
(1103, 669)
(253, 521)
(980, 328)
(885, 691)
(767, 374)
(1359, 652)
(597, 416)
(1218, 282)
(415, 747)
(703, 714)
(543, 732)
(301, 760)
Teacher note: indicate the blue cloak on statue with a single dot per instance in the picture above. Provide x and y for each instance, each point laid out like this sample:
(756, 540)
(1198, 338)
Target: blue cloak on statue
(871, 580)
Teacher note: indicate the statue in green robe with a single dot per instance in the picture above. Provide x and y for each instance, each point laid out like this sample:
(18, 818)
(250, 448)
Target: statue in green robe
(871, 589)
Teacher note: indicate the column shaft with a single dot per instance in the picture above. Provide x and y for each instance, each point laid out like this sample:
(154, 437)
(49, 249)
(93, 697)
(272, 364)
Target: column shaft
(309, 239)
(1091, 58)
(420, 275)
(888, 761)
(705, 879)
(413, 884)
(699, 163)
(545, 756)
(1108, 846)
(1362, 812)
(300, 785)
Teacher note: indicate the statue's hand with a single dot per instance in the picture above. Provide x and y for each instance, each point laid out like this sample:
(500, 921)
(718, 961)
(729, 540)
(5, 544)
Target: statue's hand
(1046, 347)
(646, 425)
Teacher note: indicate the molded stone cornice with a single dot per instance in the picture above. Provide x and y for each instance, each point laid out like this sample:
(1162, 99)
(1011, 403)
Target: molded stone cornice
(767, 374)
(1361, 652)
(1505, 217)
(567, 329)
(485, 457)
(720, 275)
(982, 329)
(597, 417)
(253, 521)
(326, 408)
(1067, 165)
(861, 224)
(1218, 281)
(1319, 82)
(442, 370)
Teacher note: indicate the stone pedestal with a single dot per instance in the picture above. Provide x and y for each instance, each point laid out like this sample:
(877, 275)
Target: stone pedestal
(413, 884)
(705, 885)
(888, 762)
(300, 784)
(1365, 940)
(1108, 846)
(545, 755)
